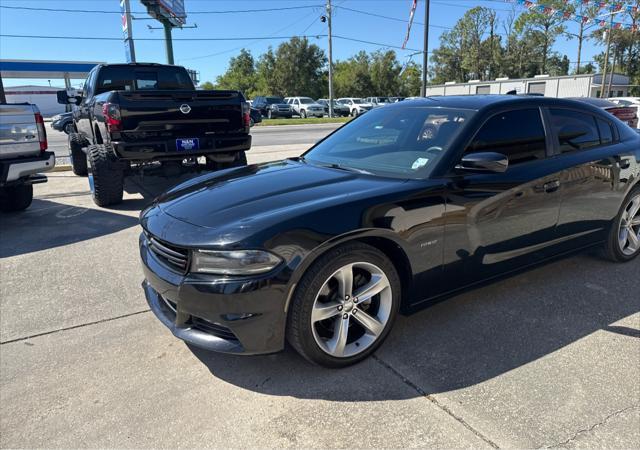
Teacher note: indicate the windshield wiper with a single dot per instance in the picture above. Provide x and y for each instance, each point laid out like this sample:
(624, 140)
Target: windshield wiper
(347, 169)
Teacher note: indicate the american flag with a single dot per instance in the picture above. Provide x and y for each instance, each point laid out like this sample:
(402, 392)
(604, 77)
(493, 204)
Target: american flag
(411, 14)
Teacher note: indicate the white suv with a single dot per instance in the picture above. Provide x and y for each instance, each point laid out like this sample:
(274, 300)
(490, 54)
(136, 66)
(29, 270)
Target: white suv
(357, 106)
(306, 106)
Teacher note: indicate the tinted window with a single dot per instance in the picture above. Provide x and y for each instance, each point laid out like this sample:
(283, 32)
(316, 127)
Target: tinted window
(129, 78)
(575, 130)
(395, 142)
(606, 135)
(273, 100)
(517, 134)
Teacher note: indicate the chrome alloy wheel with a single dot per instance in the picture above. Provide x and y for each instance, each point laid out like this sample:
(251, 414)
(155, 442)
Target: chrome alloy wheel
(629, 231)
(351, 309)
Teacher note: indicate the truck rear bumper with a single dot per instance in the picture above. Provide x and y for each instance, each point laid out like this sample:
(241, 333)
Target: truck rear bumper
(14, 169)
(167, 149)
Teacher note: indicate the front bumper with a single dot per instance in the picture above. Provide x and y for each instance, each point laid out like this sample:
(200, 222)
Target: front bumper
(229, 315)
(12, 170)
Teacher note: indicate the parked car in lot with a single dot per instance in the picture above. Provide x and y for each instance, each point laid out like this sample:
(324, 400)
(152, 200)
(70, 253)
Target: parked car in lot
(273, 107)
(254, 116)
(356, 106)
(306, 107)
(131, 115)
(627, 114)
(339, 108)
(23, 155)
(63, 122)
(378, 101)
(632, 102)
(382, 217)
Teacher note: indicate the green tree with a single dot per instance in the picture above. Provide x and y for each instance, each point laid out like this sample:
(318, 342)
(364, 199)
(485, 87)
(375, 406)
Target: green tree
(353, 77)
(411, 80)
(265, 68)
(241, 74)
(208, 86)
(298, 68)
(385, 73)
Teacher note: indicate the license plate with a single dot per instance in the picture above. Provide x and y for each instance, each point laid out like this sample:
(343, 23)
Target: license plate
(186, 145)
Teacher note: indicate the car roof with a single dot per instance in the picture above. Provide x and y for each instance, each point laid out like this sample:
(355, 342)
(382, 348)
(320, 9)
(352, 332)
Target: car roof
(477, 102)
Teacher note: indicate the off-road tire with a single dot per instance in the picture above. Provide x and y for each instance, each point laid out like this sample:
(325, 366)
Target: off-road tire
(106, 175)
(16, 198)
(611, 249)
(77, 156)
(299, 333)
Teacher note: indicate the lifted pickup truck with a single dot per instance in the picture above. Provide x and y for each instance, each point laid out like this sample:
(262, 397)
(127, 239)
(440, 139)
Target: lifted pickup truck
(135, 115)
(23, 141)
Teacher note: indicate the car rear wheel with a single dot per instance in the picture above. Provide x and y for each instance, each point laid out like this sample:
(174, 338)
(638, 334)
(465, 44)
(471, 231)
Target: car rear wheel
(344, 306)
(354, 113)
(303, 114)
(68, 128)
(269, 114)
(623, 243)
(78, 158)
(16, 198)
(106, 176)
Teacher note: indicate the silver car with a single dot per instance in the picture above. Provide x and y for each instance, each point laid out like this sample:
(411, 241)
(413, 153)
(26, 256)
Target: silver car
(356, 105)
(305, 107)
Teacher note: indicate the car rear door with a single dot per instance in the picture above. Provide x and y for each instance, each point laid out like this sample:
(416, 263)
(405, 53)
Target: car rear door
(497, 222)
(594, 174)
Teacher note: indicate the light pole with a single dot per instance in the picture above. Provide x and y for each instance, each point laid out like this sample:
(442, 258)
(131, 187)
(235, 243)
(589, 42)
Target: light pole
(606, 53)
(328, 8)
(425, 54)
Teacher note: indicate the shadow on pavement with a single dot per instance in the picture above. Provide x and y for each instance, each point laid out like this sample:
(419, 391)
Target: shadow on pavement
(465, 340)
(47, 224)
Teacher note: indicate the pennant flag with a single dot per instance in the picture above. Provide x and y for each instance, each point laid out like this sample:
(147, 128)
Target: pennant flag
(411, 14)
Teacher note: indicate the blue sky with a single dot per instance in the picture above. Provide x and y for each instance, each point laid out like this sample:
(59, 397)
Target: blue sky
(210, 58)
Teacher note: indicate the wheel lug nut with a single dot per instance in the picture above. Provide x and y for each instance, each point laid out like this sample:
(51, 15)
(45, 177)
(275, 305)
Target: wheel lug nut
(354, 311)
(346, 297)
(355, 300)
(339, 307)
(345, 316)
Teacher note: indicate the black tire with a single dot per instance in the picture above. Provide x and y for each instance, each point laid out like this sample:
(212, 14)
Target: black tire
(269, 114)
(354, 113)
(299, 326)
(78, 157)
(16, 198)
(303, 114)
(69, 128)
(611, 249)
(106, 176)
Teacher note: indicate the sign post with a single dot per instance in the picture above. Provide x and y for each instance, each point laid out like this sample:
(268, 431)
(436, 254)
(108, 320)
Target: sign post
(127, 32)
(170, 13)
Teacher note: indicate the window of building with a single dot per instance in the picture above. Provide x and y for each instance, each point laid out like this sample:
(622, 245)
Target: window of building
(537, 88)
(483, 89)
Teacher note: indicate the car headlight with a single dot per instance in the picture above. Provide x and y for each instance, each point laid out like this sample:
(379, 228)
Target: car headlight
(233, 262)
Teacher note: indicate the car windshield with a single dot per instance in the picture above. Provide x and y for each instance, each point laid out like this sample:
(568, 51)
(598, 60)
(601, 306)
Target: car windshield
(357, 101)
(272, 100)
(306, 100)
(384, 100)
(393, 142)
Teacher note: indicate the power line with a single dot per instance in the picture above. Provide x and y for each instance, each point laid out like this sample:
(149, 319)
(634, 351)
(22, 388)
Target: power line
(388, 17)
(91, 38)
(375, 43)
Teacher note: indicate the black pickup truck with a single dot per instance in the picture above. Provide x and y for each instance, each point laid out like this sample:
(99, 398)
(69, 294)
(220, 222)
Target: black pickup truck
(131, 116)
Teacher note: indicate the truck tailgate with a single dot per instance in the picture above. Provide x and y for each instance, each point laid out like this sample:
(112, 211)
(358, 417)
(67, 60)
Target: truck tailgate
(18, 131)
(181, 113)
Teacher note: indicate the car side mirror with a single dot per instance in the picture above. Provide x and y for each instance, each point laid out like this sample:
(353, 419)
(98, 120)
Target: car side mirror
(68, 97)
(483, 162)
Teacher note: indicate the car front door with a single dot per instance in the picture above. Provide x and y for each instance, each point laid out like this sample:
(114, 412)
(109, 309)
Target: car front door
(81, 113)
(497, 222)
(595, 170)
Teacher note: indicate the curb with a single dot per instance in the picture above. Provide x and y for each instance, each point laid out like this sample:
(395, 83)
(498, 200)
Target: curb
(61, 168)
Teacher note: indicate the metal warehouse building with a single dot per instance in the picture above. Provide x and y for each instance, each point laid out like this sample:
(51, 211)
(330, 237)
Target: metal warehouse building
(563, 86)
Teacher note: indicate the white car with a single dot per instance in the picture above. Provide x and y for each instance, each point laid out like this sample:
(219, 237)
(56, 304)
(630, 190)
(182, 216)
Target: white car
(628, 101)
(305, 106)
(378, 101)
(356, 105)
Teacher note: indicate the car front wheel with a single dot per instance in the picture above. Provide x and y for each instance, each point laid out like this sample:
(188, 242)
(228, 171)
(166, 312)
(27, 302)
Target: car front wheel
(623, 243)
(344, 306)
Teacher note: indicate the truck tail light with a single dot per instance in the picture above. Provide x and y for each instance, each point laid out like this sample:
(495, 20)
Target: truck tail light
(112, 118)
(42, 132)
(246, 116)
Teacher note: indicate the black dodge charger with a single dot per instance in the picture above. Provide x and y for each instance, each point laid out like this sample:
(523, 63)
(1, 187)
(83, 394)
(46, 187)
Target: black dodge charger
(397, 209)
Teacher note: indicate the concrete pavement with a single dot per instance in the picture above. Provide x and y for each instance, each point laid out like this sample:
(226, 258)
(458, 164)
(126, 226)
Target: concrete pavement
(549, 358)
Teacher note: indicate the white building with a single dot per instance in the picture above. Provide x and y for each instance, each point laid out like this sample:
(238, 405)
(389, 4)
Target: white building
(563, 86)
(42, 96)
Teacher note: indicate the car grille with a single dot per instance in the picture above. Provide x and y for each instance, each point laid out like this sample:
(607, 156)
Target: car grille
(213, 328)
(174, 257)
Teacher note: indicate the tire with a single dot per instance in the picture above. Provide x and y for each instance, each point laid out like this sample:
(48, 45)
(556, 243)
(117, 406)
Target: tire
(619, 245)
(269, 114)
(68, 128)
(16, 198)
(78, 157)
(303, 114)
(251, 122)
(354, 113)
(314, 338)
(106, 176)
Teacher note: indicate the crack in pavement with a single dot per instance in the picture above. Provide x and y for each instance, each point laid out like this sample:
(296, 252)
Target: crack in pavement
(433, 400)
(594, 426)
(73, 327)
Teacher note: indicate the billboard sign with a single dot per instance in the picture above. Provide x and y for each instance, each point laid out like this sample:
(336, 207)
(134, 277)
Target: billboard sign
(171, 10)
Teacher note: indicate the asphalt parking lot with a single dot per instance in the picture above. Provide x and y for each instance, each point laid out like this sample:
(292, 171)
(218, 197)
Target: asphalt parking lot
(549, 358)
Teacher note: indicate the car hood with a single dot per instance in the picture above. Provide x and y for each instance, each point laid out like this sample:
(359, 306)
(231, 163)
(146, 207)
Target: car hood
(239, 202)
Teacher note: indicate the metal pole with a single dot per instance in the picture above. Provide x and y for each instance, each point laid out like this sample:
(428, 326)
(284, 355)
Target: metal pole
(130, 51)
(168, 41)
(330, 60)
(3, 98)
(613, 71)
(425, 52)
(606, 58)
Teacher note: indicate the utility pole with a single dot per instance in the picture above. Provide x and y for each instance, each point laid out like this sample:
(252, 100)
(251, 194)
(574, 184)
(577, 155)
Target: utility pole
(425, 52)
(129, 49)
(168, 41)
(606, 59)
(330, 60)
(3, 98)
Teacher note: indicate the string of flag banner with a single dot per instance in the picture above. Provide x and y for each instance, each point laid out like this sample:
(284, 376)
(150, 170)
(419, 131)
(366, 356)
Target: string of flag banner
(612, 7)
